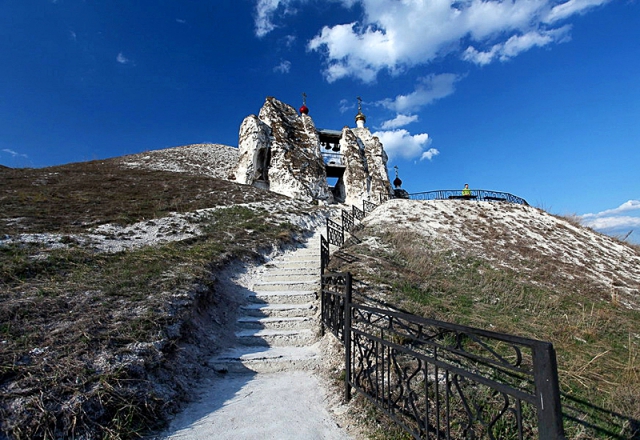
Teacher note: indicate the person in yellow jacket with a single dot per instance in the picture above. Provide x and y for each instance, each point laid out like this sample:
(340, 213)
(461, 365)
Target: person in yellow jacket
(466, 192)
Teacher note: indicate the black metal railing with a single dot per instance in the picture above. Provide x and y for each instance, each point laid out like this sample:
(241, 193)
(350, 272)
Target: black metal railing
(385, 197)
(358, 213)
(441, 380)
(334, 295)
(325, 254)
(474, 194)
(368, 206)
(348, 221)
(335, 233)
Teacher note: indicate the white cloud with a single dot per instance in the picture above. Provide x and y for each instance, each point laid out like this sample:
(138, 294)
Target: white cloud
(401, 143)
(428, 90)
(515, 45)
(346, 105)
(631, 205)
(429, 154)
(122, 59)
(571, 7)
(181, 21)
(266, 9)
(394, 35)
(607, 223)
(283, 67)
(13, 153)
(399, 121)
(611, 222)
(289, 40)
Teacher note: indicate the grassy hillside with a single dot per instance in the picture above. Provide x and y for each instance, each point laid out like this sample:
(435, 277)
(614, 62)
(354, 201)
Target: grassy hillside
(109, 303)
(104, 344)
(517, 270)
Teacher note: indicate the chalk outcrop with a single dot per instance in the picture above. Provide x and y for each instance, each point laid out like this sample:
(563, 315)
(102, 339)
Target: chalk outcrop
(281, 151)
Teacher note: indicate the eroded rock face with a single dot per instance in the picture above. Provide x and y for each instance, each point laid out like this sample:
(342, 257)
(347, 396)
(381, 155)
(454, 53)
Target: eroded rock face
(377, 164)
(281, 151)
(356, 175)
(254, 144)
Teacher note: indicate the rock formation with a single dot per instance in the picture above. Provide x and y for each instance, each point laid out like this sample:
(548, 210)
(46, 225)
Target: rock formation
(280, 151)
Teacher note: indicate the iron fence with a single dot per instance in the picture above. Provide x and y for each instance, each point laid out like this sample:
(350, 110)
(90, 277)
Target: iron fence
(475, 194)
(348, 221)
(368, 206)
(324, 254)
(334, 295)
(335, 233)
(385, 197)
(439, 380)
(358, 213)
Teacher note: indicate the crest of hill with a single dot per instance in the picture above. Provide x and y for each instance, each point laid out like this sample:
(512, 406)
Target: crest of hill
(212, 160)
(522, 238)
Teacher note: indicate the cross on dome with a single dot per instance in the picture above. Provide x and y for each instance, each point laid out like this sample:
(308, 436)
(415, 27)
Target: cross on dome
(360, 117)
(304, 110)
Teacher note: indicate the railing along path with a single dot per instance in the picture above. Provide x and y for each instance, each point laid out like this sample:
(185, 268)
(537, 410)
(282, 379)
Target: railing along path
(474, 194)
(438, 380)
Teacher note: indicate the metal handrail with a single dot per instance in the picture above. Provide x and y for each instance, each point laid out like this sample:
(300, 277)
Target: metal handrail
(474, 194)
(433, 377)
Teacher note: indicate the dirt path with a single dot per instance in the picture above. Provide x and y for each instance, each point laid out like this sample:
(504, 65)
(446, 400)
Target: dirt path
(267, 386)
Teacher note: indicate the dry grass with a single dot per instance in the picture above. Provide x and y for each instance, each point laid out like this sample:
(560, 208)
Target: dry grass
(596, 339)
(71, 198)
(99, 345)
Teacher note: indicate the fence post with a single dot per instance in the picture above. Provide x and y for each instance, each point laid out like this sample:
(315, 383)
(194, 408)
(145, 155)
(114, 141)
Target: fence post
(545, 374)
(346, 332)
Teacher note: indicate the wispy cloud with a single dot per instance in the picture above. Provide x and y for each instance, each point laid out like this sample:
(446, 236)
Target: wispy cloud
(399, 121)
(122, 59)
(398, 35)
(181, 21)
(515, 45)
(572, 7)
(427, 90)
(631, 205)
(346, 105)
(267, 9)
(611, 221)
(14, 153)
(402, 144)
(429, 154)
(283, 67)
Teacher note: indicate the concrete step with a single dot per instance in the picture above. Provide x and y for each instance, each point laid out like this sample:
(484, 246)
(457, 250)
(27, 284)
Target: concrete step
(283, 297)
(265, 359)
(279, 310)
(286, 286)
(278, 276)
(296, 271)
(276, 337)
(297, 264)
(276, 322)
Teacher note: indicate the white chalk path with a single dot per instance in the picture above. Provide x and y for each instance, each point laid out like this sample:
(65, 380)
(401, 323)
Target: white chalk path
(267, 388)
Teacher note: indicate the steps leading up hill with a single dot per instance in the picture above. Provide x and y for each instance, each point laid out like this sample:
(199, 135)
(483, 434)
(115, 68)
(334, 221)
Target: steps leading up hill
(278, 326)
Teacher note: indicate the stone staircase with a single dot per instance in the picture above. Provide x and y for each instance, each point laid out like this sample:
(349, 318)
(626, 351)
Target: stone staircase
(278, 327)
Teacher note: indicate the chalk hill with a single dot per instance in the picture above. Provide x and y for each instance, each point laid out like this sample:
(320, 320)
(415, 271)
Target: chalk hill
(99, 340)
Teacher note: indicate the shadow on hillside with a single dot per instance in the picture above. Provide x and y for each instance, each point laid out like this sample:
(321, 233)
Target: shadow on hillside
(599, 421)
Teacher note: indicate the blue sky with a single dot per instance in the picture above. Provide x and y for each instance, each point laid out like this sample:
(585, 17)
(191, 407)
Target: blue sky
(539, 98)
